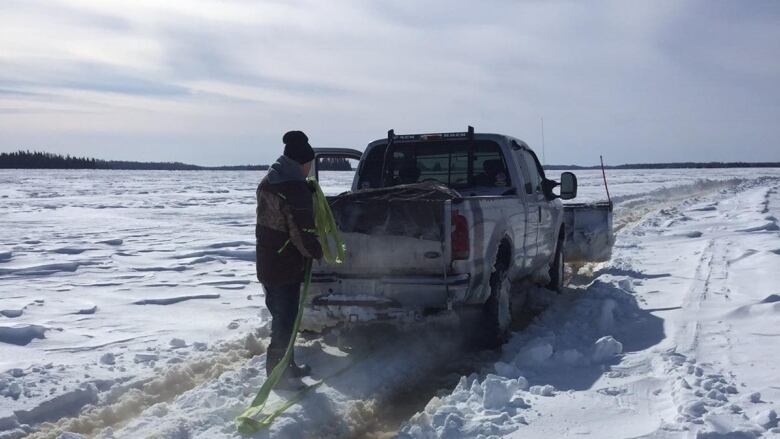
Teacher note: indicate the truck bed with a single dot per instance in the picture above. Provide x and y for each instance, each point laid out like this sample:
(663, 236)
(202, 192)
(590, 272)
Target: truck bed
(399, 230)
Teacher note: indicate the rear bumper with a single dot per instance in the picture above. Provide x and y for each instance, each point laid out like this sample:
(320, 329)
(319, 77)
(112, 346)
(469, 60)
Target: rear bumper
(349, 299)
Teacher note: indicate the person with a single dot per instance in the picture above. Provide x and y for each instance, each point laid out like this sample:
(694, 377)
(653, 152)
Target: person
(286, 242)
(490, 170)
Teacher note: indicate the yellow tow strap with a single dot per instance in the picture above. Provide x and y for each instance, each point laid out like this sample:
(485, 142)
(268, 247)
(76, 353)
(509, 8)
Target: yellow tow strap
(327, 230)
(327, 233)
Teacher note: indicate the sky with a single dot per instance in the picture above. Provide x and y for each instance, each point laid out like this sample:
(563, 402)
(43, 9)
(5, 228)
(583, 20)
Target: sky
(216, 82)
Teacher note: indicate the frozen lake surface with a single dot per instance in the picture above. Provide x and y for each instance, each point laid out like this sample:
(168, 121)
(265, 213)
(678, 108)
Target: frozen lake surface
(112, 279)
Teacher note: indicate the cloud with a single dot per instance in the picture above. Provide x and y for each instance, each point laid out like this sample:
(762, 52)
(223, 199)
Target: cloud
(208, 80)
(92, 77)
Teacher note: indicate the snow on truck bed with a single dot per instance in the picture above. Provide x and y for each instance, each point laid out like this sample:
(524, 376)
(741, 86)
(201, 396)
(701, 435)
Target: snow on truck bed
(129, 307)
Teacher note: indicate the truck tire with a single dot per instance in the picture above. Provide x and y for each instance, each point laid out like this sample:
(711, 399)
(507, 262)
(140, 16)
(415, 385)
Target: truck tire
(498, 308)
(556, 269)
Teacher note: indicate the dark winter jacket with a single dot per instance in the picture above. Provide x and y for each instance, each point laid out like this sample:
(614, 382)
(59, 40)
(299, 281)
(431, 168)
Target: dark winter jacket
(285, 230)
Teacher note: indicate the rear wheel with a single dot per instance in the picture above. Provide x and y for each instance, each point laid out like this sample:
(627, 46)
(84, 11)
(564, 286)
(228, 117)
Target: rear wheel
(498, 308)
(556, 269)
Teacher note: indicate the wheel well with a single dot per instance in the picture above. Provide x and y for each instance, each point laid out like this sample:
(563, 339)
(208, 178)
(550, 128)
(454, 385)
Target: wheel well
(504, 255)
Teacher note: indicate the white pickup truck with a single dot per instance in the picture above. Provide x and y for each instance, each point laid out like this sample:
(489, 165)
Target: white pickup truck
(437, 222)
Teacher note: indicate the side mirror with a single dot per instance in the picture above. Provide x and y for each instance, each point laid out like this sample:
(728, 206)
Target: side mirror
(568, 186)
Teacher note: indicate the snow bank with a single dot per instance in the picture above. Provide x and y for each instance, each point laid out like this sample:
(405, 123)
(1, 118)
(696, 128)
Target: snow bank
(45, 269)
(21, 335)
(241, 255)
(113, 242)
(569, 338)
(493, 407)
(173, 300)
(70, 250)
(11, 313)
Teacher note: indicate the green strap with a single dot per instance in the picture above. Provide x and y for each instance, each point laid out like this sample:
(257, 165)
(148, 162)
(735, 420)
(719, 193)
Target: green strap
(286, 243)
(245, 422)
(251, 425)
(326, 230)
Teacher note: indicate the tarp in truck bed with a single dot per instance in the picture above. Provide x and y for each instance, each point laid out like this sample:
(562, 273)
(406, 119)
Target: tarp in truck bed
(413, 210)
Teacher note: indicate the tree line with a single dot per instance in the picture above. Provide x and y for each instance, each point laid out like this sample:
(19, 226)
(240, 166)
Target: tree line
(676, 165)
(47, 160)
(334, 164)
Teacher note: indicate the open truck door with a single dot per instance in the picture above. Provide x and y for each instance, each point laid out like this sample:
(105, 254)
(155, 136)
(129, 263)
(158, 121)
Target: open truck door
(589, 234)
(335, 159)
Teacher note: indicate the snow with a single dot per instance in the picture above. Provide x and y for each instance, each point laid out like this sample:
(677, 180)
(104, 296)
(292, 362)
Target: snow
(674, 337)
(129, 307)
(605, 348)
(21, 335)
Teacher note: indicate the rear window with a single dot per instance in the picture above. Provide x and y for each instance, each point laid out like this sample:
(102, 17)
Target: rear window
(458, 164)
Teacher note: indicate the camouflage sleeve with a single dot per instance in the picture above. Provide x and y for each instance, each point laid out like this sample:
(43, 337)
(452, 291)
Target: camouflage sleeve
(299, 212)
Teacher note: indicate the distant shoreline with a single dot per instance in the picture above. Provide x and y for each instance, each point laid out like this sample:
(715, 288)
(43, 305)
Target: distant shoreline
(44, 160)
(673, 165)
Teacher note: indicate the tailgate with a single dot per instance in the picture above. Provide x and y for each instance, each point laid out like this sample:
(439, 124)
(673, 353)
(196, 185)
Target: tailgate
(589, 236)
(391, 232)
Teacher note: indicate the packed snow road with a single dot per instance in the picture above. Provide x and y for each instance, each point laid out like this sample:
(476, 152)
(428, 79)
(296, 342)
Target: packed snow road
(137, 315)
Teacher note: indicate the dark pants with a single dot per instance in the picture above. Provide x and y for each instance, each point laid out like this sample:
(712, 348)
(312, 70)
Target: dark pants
(282, 301)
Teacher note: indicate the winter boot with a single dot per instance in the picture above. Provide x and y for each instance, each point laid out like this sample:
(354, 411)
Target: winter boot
(299, 371)
(272, 358)
(289, 383)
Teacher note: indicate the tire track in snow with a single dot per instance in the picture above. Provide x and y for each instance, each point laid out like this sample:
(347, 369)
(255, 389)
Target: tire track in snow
(702, 391)
(687, 336)
(121, 405)
(631, 210)
(351, 405)
(371, 400)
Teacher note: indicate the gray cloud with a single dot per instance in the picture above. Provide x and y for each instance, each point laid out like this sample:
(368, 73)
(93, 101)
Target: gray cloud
(219, 81)
(101, 78)
(208, 53)
(83, 76)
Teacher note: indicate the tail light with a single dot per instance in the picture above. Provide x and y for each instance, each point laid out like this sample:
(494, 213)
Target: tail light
(460, 236)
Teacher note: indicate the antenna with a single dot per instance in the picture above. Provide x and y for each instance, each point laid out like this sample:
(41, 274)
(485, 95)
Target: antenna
(544, 162)
(604, 175)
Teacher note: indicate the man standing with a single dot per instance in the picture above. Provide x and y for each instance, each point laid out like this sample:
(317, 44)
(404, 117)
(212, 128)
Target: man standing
(286, 240)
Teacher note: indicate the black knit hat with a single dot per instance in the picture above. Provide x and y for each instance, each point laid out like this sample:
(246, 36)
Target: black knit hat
(296, 147)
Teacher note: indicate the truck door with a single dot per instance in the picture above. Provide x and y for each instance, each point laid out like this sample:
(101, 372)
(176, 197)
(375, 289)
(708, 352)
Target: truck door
(545, 243)
(532, 191)
(334, 168)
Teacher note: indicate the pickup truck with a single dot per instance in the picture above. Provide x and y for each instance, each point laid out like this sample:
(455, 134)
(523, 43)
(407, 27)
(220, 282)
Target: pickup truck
(438, 222)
